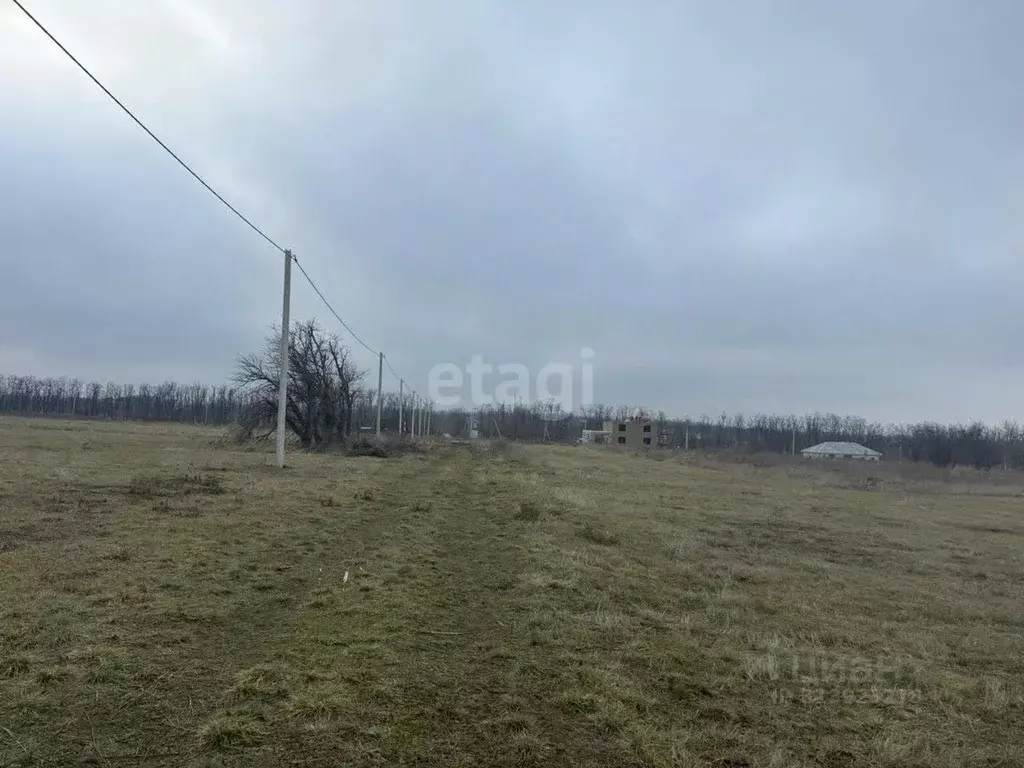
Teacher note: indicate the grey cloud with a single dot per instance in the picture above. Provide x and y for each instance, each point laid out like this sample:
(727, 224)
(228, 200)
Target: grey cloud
(753, 206)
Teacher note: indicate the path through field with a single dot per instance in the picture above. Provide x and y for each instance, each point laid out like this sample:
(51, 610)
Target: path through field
(169, 599)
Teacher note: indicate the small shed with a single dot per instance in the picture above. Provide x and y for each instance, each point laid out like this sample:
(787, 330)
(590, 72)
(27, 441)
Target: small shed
(841, 451)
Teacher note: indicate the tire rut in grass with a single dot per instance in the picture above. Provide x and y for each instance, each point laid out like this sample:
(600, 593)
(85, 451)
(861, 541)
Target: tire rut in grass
(489, 688)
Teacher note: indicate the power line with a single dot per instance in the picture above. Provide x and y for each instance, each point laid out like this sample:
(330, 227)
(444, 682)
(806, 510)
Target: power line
(395, 374)
(142, 125)
(366, 346)
(195, 175)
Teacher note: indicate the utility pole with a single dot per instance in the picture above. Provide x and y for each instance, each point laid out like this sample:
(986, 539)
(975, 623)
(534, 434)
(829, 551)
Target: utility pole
(282, 392)
(430, 413)
(401, 403)
(686, 445)
(380, 384)
(792, 445)
(412, 422)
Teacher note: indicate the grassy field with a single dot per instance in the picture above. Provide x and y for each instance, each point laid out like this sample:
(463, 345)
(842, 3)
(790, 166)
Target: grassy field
(170, 599)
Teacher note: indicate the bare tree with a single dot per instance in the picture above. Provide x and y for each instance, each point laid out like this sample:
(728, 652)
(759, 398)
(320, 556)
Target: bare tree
(322, 386)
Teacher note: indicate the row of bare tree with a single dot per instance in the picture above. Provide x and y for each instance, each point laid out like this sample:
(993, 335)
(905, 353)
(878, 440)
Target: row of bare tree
(31, 396)
(976, 444)
(329, 399)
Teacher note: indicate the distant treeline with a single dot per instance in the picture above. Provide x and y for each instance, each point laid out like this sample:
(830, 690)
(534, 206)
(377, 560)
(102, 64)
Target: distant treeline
(222, 405)
(978, 445)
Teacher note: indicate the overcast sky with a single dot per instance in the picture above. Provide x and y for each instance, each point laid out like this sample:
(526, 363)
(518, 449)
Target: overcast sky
(747, 206)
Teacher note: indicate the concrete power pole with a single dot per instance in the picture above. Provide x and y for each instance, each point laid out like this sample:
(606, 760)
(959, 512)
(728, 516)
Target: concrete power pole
(380, 384)
(430, 413)
(412, 421)
(282, 391)
(401, 403)
(792, 445)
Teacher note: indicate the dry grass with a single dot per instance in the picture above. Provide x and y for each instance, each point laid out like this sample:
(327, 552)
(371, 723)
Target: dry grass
(170, 599)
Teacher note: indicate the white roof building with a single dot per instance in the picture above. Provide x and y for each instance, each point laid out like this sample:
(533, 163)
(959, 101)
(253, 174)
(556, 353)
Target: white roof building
(841, 451)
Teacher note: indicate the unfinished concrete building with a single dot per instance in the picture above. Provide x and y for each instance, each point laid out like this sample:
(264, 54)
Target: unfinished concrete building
(632, 433)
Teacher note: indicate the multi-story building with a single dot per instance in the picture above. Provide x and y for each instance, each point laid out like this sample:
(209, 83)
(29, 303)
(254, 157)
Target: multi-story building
(632, 433)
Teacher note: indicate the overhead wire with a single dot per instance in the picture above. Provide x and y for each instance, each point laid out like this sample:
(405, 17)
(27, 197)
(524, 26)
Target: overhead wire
(327, 304)
(142, 125)
(202, 181)
(395, 374)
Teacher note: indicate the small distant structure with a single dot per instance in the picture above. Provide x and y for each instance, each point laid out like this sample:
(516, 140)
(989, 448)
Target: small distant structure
(595, 436)
(830, 450)
(632, 433)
